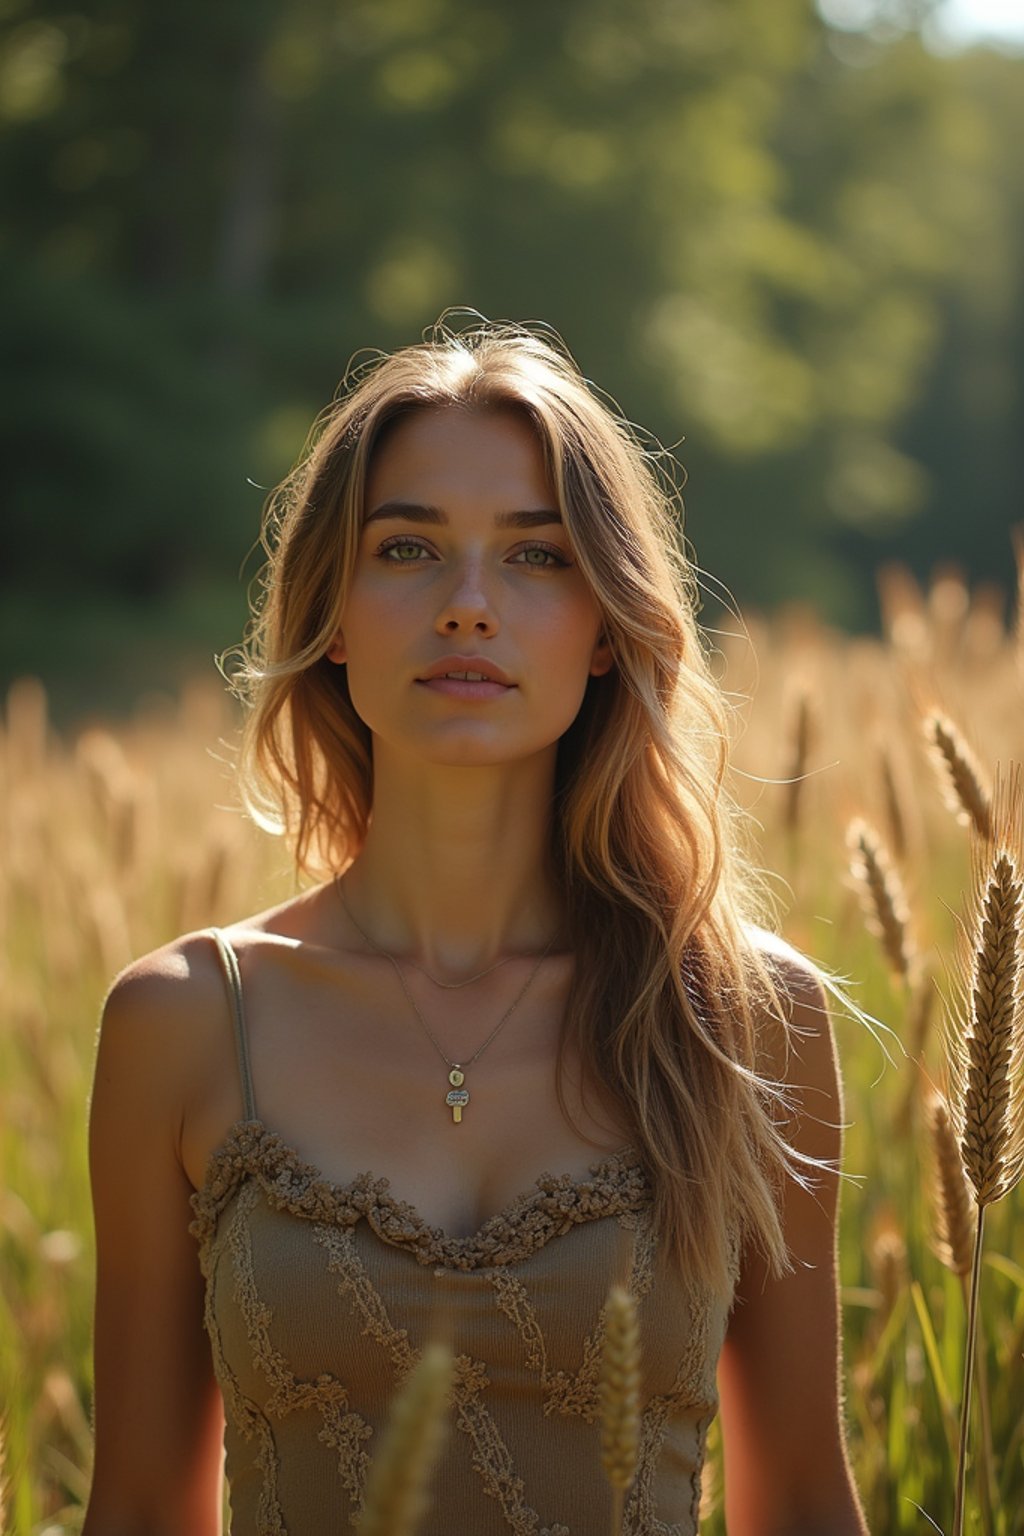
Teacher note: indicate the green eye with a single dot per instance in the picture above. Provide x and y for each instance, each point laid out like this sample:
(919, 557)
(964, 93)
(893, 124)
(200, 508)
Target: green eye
(385, 551)
(550, 558)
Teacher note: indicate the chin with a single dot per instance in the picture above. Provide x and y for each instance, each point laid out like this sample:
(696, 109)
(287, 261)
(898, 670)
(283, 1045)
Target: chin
(461, 748)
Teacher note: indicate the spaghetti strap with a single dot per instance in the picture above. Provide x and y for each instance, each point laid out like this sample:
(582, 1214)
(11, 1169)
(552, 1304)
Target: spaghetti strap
(229, 961)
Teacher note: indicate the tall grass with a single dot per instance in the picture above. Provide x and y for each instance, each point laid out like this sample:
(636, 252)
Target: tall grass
(115, 838)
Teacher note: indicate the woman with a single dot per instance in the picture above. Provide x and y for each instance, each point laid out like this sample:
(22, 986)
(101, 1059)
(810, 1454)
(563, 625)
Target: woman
(523, 1038)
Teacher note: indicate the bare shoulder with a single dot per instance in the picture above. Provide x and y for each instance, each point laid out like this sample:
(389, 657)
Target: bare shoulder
(159, 1016)
(166, 1016)
(179, 989)
(156, 990)
(798, 977)
(805, 1036)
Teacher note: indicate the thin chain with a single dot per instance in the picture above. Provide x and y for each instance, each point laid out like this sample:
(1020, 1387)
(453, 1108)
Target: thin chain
(398, 971)
(450, 986)
(507, 1014)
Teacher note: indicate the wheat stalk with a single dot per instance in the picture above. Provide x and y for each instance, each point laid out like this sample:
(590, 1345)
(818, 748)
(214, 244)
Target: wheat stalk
(920, 1008)
(985, 1048)
(620, 1397)
(799, 736)
(396, 1488)
(882, 896)
(966, 790)
(893, 805)
(954, 1245)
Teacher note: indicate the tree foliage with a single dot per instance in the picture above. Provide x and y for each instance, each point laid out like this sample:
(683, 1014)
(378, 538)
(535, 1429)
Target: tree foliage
(795, 249)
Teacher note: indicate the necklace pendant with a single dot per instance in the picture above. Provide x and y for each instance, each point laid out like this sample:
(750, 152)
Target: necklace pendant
(458, 1097)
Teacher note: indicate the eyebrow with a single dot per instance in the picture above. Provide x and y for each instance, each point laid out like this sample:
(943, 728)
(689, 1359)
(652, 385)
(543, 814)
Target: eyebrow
(414, 512)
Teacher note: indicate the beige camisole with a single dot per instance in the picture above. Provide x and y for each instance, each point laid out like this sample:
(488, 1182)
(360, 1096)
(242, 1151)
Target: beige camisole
(319, 1298)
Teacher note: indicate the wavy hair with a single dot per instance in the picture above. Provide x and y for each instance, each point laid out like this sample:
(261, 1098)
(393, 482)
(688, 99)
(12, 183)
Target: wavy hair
(672, 996)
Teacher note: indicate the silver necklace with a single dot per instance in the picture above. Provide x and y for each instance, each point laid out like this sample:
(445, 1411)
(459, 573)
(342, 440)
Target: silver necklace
(458, 1095)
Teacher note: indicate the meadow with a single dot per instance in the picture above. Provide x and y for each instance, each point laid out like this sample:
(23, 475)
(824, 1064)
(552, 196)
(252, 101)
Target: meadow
(116, 838)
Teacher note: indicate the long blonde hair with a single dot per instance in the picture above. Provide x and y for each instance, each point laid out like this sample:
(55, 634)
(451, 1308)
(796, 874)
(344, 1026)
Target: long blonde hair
(671, 993)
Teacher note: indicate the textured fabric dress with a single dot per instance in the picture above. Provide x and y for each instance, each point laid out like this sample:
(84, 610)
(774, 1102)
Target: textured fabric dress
(320, 1297)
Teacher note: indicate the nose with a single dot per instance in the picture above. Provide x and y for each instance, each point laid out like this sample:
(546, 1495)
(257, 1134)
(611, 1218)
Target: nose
(468, 606)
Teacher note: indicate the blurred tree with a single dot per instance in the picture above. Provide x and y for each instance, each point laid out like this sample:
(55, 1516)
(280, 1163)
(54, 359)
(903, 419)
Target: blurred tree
(967, 421)
(758, 231)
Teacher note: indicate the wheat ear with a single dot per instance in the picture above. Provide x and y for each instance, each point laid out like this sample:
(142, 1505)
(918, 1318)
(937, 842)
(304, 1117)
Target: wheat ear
(964, 784)
(985, 1049)
(882, 896)
(951, 1193)
(620, 1397)
(396, 1488)
(986, 1059)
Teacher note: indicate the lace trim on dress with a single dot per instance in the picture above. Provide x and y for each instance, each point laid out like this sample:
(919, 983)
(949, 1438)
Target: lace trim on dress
(578, 1393)
(695, 1375)
(492, 1458)
(344, 1431)
(250, 1421)
(558, 1202)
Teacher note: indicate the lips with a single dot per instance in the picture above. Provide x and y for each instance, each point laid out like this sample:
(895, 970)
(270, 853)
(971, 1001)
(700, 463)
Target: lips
(480, 669)
(466, 688)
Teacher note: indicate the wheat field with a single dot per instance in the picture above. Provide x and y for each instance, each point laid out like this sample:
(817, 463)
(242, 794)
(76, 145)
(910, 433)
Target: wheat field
(857, 760)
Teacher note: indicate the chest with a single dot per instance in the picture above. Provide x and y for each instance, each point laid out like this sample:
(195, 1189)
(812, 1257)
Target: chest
(352, 1080)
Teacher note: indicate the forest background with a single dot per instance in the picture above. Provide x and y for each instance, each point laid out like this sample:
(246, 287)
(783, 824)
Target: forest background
(790, 248)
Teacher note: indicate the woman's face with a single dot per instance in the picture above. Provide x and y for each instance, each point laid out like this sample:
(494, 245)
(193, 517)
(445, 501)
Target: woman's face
(463, 555)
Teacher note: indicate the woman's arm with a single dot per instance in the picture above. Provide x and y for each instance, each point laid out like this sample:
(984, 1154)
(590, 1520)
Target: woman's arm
(158, 1413)
(786, 1467)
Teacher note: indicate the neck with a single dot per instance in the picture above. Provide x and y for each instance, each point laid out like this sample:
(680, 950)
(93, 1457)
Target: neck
(455, 871)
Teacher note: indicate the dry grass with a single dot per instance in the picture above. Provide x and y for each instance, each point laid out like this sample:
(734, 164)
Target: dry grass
(116, 839)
